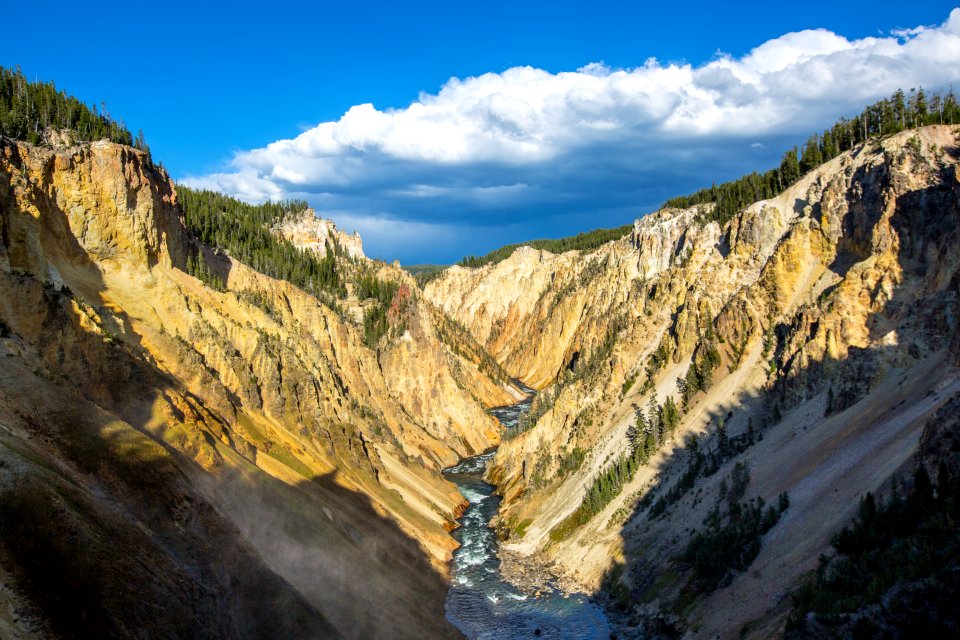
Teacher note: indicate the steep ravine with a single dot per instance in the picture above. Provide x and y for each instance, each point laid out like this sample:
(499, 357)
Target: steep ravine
(242, 463)
(819, 328)
(281, 477)
(481, 603)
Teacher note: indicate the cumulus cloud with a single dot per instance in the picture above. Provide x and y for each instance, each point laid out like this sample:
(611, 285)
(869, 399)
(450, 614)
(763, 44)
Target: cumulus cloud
(527, 147)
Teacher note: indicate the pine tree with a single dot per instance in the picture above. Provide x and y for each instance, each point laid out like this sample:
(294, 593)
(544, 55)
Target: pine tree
(649, 444)
(671, 415)
(723, 442)
(654, 416)
(899, 109)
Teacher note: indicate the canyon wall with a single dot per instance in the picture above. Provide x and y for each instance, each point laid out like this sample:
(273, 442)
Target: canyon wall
(809, 338)
(269, 459)
(248, 456)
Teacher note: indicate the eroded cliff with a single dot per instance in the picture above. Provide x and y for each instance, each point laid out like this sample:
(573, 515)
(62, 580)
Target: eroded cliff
(261, 449)
(808, 340)
(251, 456)
(305, 230)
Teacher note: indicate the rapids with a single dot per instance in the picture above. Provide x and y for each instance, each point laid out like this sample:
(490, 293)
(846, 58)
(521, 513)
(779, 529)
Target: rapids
(479, 602)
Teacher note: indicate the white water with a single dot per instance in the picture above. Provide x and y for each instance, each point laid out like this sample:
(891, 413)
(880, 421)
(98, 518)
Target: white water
(479, 602)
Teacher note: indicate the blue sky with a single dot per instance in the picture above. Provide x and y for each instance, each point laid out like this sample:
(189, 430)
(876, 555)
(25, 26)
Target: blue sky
(269, 100)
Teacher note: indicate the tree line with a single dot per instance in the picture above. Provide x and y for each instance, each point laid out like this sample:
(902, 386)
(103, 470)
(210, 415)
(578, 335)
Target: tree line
(897, 113)
(644, 438)
(732, 537)
(648, 433)
(243, 230)
(905, 545)
(28, 108)
(585, 241)
(653, 428)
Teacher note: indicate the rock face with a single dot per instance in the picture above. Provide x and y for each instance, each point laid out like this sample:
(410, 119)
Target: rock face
(276, 468)
(204, 463)
(535, 311)
(306, 230)
(825, 321)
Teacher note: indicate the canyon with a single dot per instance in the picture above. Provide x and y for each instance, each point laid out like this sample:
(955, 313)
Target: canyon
(243, 439)
(825, 319)
(244, 461)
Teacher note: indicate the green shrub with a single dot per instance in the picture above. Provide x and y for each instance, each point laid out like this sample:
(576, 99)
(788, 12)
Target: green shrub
(903, 544)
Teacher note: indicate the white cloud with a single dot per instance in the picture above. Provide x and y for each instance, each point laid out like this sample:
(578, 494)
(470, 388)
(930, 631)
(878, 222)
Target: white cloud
(501, 138)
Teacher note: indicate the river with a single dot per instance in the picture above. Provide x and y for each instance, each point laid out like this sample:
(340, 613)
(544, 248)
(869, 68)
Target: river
(480, 603)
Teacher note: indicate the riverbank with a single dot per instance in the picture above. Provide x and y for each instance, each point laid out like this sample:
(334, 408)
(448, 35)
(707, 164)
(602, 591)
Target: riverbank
(533, 574)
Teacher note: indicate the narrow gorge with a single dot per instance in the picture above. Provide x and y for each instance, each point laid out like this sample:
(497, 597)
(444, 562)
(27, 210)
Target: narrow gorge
(481, 603)
(223, 420)
(263, 450)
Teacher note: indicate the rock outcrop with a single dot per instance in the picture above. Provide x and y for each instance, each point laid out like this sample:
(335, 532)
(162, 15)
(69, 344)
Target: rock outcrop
(306, 230)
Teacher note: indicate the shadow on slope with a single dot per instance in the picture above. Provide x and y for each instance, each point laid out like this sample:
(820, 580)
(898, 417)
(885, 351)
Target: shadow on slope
(126, 509)
(147, 526)
(107, 536)
(826, 431)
